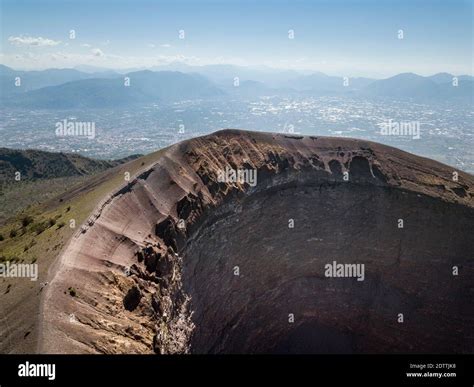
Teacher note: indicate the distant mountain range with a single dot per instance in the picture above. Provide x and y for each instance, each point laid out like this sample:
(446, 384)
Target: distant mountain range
(409, 85)
(133, 88)
(31, 80)
(98, 88)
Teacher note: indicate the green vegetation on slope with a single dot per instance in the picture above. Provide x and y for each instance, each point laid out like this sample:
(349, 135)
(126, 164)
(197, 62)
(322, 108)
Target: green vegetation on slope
(30, 177)
(42, 227)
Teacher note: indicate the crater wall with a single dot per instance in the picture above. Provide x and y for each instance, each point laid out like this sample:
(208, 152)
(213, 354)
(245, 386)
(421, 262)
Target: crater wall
(178, 261)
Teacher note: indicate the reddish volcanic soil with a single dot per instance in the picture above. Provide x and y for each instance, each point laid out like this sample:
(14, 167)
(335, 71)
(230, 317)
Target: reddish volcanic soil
(178, 262)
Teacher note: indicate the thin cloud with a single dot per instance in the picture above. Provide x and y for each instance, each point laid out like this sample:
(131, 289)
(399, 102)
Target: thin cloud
(97, 52)
(41, 60)
(32, 41)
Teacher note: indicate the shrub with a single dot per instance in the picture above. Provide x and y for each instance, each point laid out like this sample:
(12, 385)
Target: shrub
(12, 233)
(1, 237)
(72, 292)
(51, 222)
(26, 220)
(39, 227)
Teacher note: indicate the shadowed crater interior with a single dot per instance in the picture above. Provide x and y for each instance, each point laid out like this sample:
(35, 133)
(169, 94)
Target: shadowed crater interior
(258, 285)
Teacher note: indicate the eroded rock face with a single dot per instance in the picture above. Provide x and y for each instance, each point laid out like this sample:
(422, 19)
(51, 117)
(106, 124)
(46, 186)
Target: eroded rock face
(183, 262)
(132, 298)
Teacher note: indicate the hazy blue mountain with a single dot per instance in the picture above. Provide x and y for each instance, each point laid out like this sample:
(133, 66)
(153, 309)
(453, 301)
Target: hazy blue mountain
(101, 87)
(413, 86)
(5, 69)
(403, 86)
(444, 78)
(145, 86)
(440, 78)
(95, 70)
(464, 91)
(225, 74)
(32, 80)
(323, 84)
(173, 85)
(268, 80)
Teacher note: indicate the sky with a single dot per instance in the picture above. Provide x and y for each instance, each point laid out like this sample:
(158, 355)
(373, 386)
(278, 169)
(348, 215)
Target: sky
(345, 38)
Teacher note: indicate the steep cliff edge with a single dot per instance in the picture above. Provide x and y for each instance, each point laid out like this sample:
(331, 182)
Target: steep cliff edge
(182, 261)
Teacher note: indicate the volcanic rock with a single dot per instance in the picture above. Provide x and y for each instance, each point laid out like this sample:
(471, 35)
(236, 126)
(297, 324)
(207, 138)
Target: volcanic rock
(247, 272)
(132, 298)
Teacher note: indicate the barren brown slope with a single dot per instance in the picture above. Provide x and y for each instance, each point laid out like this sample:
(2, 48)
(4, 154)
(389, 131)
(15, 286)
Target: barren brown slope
(177, 262)
(20, 297)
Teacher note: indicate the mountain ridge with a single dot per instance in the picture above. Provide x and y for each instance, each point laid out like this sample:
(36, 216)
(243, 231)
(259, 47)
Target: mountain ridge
(89, 90)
